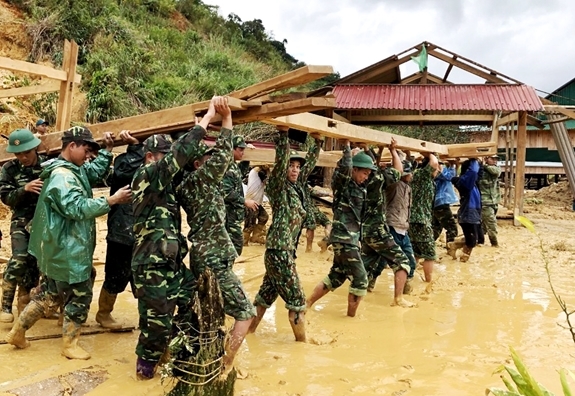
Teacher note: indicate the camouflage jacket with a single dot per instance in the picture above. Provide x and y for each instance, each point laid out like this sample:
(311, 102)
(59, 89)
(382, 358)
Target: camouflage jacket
(157, 219)
(489, 185)
(374, 217)
(422, 195)
(200, 195)
(234, 194)
(121, 218)
(13, 177)
(348, 203)
(287, 199)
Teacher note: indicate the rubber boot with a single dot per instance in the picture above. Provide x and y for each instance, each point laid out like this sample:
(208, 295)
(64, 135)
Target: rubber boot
(466, 252)
(70, 337)
(453, 246)
(23, 299)
(247, 234)
(106, 303)
(493, 241)
(352, 304)
(145, 369)
(259, 234)
(30, 315)
(297, 322)
(408, 288)
(8, 293)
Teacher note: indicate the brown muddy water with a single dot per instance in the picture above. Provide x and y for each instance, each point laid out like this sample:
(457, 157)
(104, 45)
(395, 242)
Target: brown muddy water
(450, 344)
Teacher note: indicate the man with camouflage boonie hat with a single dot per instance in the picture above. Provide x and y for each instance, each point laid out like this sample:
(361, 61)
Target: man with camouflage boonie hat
(63, 239)
(20, 187)
(236, 204)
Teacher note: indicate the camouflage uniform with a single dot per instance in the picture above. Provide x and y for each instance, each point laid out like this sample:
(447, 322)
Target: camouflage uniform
(200, 195)
(348, 213)
(490, 198)
(288, 214)
(161, 279)
(314, 215)
(235, 205)
(420, 219)
(22, 269)
(377, 242)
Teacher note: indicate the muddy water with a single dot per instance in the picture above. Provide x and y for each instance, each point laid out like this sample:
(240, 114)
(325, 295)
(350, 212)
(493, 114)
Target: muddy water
(448, 345)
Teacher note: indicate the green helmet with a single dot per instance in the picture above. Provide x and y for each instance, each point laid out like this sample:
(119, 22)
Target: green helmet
(294, 155)
(22, 140)
(362, 160)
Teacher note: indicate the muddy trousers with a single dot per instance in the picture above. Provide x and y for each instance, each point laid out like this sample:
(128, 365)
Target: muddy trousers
(254, 217)
(471, 234)
(159, 288)
(118, 269)
(443, 218)
(380, 250)
(347, 264)
(75, 297)
(489, 223)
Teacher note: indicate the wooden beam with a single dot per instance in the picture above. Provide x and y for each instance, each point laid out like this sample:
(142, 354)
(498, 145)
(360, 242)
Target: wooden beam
(495, 128)
(64, 108)
(267, 156)
(180, 119)
(520, 166)
(471, 150)
(38, 70)
(507, 119)
(423, 117)
(282, 97)
(52, 86)
(562, 119)
(297, 77)
(437, 80)
(328, 127)
(412, 78)
(341, 118)
(534, 121)
(449, 67)
(560, 109)
(464, 66)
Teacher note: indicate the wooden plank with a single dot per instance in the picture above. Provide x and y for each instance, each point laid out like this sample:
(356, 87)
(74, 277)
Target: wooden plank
(341, 118)
(69, 64)
(507, 119)
(412, 78)
(297, 77)
(424, 117)
(52, 86)
(495, 128)
(267, 156)
(282, 97)
(560, 109)
(520, 166)
(464, 66)
(471, 150)
(341, 130)
(38, 70)
(449, 68)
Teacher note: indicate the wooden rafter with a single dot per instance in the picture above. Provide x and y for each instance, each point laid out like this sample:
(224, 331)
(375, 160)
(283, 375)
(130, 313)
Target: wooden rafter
(52, 86)
(467, 67)
(449, 68)
(39, 70)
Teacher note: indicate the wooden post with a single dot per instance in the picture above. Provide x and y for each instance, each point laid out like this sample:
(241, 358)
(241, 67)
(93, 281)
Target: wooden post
(328, 172)
(507, 167)
(64, 109)
(512, 163)
(520, 165)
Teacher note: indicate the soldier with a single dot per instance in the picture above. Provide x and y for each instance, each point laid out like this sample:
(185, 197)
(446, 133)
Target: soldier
(63, 236)
(421, 216)
(469, 212)
(19, 189)
(201, 197)
(255, 224)
(349, 194)
(285, 191)
(490, 198)
(120, 238)
(236, 204)
(161, 279)
(444, 198)
(377, 243)
(41, 127)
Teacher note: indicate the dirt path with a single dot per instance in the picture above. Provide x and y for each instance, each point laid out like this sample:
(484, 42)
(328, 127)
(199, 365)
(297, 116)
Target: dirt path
(449, 345)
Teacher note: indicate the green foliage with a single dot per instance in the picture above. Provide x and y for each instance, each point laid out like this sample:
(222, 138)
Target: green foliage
(45, 106)
(523, 382)
(144, 55)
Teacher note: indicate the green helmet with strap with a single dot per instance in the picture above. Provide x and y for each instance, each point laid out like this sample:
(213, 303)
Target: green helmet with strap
(22, 140)
(362, 160)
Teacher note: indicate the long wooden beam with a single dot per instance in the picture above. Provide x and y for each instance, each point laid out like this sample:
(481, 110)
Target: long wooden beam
(471, 150)
(267, 156)
(39, 70)
(328, 127)
(297, 77)
(471, 69)
(560, 109)
(520, 166)
(507, 119)
(52, 86)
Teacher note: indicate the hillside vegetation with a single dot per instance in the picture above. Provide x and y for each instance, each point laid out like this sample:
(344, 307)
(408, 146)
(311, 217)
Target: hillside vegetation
(138, 56)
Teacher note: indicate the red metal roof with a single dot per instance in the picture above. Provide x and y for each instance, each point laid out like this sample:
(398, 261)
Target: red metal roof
(430, 97)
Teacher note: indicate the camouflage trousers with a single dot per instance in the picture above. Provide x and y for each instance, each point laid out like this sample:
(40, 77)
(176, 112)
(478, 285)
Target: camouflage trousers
(489, 220)
(443, 218)
(118, 269)
(254, 217)
(22, 268)
(281, 279)
(235, 232)
(75, 298)
(347, 264)
(380, 249)
(421, 236)
(159, 288)
(315, 217)
(236, 302)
